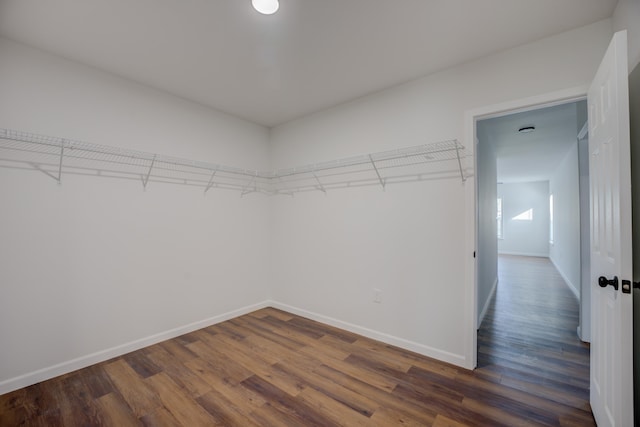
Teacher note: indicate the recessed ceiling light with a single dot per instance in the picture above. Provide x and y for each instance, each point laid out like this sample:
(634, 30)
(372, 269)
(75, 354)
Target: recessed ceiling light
(266, 7)
(527, 129)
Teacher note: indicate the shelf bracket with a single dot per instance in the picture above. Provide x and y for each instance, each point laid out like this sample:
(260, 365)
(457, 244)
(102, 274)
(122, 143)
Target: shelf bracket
(377, 172)
(145, 180)
(460, 163)
(319, 183)
(60, 164)
(246, 187)
(210, 183)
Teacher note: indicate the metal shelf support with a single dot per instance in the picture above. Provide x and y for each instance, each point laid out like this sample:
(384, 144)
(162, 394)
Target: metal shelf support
(377, 171)
(460, 164)
(319, 183)
(62, 142)
(245, 189)
(145, 180)
(210, 183)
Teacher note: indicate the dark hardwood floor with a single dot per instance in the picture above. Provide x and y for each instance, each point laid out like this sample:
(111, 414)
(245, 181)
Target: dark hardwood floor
(529, 336)
(271, 368)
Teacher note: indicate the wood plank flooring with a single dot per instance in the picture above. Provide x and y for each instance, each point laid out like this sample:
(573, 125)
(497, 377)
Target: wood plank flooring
(271, 368)
(529, 340)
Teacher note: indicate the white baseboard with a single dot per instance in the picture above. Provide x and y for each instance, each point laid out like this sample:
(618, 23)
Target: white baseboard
(533, 254)
(566, 280)
(487, 303)
(82, 362)
(43, 374)
(454, 359)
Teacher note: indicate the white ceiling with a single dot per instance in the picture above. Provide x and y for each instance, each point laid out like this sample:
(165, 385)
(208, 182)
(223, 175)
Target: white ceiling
(535, 156)
(310, 55)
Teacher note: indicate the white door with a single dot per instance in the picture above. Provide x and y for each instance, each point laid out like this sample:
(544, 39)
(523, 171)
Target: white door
(610, 187)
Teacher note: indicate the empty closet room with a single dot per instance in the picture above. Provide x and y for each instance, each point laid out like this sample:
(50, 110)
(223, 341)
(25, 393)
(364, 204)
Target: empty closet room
(166, 167)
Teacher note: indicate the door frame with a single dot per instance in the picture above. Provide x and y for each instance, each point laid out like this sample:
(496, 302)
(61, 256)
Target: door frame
(471, 190)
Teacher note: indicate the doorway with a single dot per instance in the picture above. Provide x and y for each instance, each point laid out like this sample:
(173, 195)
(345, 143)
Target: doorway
(534, 164)
(532, 190)
(533, 302)
(611, 385)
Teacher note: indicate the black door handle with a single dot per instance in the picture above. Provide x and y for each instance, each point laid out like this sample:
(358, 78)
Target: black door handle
(604, 282)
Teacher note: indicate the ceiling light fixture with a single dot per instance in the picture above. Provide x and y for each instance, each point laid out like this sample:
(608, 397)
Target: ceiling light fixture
(266, 7)
(527, 129)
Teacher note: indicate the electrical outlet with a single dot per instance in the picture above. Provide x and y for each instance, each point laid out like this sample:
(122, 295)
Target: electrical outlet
(377, 295)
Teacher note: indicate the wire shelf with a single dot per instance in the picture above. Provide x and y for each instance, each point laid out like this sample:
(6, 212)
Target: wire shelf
(58, 156)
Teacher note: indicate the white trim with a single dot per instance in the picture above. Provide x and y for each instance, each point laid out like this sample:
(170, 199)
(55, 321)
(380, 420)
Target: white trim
(100, 356)
(487, 303)
(532, 254)
(455, 359)
(527, 104)
(471, 266)
(571, 286)
(43, 374)
(470, 117)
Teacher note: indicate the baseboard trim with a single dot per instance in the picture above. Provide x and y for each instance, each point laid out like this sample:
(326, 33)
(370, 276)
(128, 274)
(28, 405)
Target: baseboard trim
(533, 254)
(66, 367)
(454, 359)
(571, 286)
(487, 303)
(43, 374)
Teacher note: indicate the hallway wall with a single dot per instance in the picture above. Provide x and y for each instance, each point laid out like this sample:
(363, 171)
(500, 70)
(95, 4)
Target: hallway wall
(525, 236)
(565, 250)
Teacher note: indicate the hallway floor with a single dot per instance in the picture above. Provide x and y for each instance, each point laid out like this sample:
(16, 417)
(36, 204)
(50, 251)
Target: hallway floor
(528, 339)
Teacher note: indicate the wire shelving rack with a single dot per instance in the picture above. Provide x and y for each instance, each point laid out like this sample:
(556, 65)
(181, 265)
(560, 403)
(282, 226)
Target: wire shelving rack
(56, 157)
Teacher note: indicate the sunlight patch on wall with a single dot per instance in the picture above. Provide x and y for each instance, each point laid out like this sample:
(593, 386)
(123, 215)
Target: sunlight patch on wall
(524, 216)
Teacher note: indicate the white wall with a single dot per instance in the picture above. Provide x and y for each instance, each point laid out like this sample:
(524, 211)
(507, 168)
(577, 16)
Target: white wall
(565, 250)
(342, 246)
(330, 251)
(97, 266)
(487, 252)
(626, 16)
(524, 237)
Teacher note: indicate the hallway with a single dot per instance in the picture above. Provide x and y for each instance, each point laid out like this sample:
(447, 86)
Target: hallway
(528, 339)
